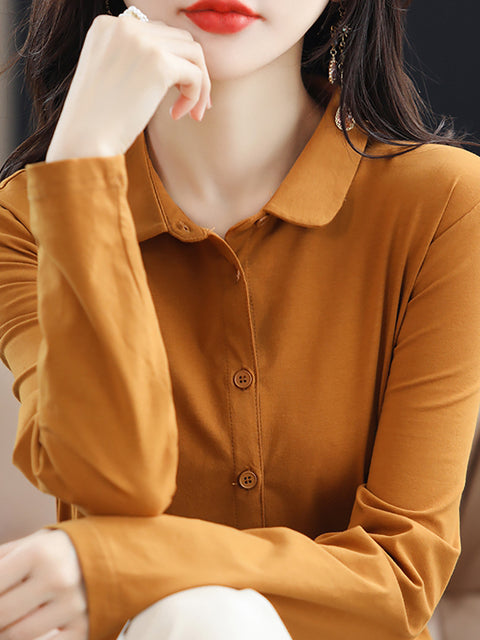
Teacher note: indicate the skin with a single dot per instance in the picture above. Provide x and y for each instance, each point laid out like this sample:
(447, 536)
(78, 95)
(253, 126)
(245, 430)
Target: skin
(42, 589)
(218, 174)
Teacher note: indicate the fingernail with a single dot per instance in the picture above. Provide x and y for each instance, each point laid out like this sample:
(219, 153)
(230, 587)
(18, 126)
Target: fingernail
(209, 103)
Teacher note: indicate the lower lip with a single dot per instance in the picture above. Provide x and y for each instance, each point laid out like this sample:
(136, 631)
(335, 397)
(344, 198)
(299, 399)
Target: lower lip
(216, 22)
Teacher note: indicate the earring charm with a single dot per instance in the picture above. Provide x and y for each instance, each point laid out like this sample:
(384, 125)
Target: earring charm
(335, 67)
(332, 67)
(349, 121)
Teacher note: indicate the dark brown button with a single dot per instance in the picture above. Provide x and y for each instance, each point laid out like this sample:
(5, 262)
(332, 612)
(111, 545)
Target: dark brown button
(247, 479)
(243, 379)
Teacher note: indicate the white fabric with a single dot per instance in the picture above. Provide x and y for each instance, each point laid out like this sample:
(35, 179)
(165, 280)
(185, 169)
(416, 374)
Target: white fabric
(210, 612)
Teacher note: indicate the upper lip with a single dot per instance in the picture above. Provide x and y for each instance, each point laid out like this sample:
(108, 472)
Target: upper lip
(222, 6)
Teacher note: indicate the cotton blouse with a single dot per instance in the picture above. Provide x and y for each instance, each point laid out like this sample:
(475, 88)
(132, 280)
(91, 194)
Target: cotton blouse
(289, 408)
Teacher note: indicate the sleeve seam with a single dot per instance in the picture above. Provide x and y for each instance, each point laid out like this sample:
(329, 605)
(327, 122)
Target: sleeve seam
(464, 215)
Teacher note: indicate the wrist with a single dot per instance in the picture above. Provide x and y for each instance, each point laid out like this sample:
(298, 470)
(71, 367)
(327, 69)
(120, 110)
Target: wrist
(57, 152)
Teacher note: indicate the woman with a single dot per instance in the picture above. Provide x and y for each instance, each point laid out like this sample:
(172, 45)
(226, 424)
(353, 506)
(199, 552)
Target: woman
(245, 342)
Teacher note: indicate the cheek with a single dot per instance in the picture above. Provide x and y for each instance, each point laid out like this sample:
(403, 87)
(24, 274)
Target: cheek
(291, 19)
(294, 12)
(158, 9)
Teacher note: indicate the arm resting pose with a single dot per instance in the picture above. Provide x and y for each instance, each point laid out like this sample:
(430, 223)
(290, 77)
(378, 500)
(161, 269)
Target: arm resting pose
(380, 579)
(97, 422)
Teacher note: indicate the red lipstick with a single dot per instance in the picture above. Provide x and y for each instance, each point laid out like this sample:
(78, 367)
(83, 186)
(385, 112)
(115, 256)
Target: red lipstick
(220, 16)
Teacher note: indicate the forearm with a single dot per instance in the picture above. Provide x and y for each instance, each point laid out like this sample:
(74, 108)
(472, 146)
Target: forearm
(102, 425)
(353, 583)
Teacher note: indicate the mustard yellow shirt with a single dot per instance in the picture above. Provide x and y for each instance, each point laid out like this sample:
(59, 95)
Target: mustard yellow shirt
(290, 408)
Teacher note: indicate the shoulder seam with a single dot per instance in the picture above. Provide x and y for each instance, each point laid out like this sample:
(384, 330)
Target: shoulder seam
(9, 178)
(464, 215)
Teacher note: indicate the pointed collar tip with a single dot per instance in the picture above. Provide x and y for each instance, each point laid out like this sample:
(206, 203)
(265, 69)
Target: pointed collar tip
(316, 186)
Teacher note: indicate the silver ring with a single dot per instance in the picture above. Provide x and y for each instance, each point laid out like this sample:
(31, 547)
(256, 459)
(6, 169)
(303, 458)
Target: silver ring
(135, 13)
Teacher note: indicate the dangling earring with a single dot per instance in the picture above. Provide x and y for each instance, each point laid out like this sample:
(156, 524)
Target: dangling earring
(107, 7)
(335, 68)
(332, 67)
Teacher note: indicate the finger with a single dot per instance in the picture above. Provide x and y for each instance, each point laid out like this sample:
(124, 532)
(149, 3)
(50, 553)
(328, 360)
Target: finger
(164, 29)
(50, 634)
(193, 52)
(7, 547)
(181, 107)
(202, 105)
(19, 602)
(14, 567)
(192, 99)
(172, 32)
(204, 102)
(188, 79)
(75, 631)
(41, 621)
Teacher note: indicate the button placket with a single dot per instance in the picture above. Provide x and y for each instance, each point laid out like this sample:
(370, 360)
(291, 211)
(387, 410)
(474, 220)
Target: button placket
(243, 402)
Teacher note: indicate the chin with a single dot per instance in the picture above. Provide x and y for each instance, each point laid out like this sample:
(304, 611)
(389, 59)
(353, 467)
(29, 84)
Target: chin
(227, 62)
(222, 70)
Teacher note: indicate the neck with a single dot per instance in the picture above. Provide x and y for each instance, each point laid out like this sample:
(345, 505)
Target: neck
(245, 144)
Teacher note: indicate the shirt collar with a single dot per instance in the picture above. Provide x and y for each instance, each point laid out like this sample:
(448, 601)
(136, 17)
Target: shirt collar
(310, 195)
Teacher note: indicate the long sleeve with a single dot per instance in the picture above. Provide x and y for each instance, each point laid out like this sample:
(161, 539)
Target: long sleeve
(97, 425)
(381, 577)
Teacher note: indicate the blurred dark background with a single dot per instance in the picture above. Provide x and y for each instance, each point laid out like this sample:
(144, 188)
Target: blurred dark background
(444, 35)
(443, 59)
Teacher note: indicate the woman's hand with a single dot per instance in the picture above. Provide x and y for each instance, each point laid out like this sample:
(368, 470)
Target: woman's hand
(41, 589)
(125, 69)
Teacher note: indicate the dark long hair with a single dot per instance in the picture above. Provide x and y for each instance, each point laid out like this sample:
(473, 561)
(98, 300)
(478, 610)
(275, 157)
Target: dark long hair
(376, 88)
